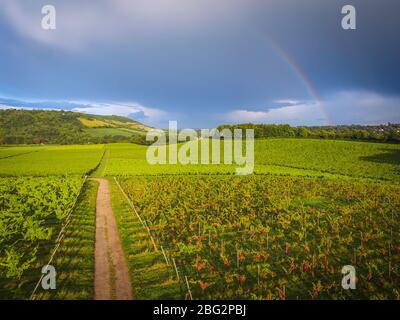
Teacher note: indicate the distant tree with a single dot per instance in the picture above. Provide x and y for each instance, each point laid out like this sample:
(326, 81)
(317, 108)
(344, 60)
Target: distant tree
(394, 135)
(303, 132)
(140, 139)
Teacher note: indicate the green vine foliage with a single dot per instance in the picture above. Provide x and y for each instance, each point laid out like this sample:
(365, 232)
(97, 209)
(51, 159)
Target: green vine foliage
(31, 212)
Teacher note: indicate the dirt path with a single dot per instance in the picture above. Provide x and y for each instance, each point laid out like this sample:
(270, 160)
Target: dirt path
(111, 280)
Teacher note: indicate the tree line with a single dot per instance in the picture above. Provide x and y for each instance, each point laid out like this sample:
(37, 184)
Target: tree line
(385, 133)
(64, 127)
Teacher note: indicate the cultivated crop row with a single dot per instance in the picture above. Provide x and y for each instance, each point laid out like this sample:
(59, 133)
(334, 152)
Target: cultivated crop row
(32, 212)
(270, 237)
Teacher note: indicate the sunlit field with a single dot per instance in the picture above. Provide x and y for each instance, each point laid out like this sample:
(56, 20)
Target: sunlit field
(311, 207)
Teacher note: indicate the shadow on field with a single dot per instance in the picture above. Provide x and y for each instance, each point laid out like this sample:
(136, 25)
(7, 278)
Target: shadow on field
(391, 156)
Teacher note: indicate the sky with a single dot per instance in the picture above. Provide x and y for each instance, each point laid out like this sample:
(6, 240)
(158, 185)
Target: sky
(204, 62)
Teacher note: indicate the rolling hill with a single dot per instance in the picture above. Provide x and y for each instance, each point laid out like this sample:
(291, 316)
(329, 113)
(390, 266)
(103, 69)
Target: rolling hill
(65, 127)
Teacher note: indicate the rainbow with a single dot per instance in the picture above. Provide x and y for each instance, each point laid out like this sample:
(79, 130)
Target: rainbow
(299, 72)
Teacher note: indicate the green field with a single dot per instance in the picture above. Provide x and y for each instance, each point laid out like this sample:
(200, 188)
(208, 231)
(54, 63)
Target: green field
(284, 232)
(342, 158)
(50, 160)
(102, 132)
(11, 152)
(306, 157)
(347, 190)
(38, 189)
(251, 237)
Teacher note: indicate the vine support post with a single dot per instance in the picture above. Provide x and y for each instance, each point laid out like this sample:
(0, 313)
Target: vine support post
(165, 257)
(284, 291)
(188, 287)
(199, 229)
(176, 269)
(237, 257)
(390, 260)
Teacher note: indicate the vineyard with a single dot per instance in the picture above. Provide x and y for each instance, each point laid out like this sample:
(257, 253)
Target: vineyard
(304, 157)
(198, 158)
(341, 158)
(38, 190)
(32, 213)
(74, 258)
(272, 237)
(200, 232)
(48, 161)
